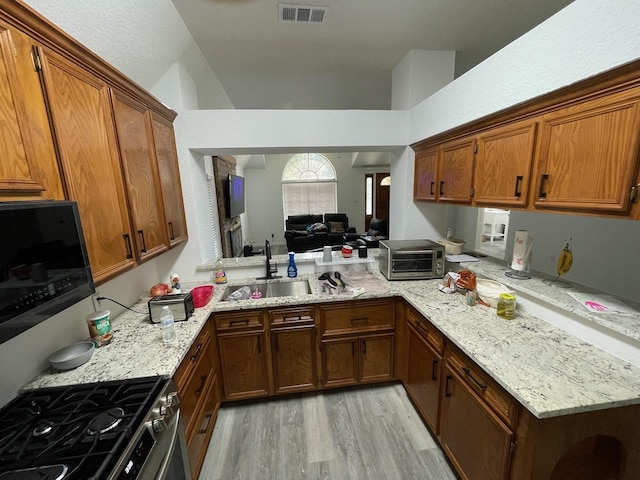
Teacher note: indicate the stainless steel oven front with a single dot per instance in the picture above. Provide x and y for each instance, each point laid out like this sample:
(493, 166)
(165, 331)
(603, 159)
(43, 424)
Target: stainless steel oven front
(158, 449)
(411, 259)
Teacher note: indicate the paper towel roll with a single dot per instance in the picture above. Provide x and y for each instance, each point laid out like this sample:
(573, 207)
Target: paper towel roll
(521, 248)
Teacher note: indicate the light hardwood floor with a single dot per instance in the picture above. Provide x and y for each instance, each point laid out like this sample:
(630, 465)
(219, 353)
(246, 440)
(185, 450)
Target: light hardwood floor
(371, 433)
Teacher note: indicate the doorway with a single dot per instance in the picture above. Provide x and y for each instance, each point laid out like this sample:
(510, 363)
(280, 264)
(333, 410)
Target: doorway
(377, 195)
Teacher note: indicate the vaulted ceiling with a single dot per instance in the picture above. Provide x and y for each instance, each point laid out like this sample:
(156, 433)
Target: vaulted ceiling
(345, 61)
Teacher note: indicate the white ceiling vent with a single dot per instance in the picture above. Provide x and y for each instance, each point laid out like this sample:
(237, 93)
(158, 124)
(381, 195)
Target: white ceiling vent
(289, 13)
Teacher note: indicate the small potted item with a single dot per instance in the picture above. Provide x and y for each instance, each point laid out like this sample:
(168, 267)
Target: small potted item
(347, 251)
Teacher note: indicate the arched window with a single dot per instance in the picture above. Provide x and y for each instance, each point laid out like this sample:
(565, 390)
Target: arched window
(309, 185)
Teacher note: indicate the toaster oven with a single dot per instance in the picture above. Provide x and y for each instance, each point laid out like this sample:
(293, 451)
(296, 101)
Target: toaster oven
(411, 259)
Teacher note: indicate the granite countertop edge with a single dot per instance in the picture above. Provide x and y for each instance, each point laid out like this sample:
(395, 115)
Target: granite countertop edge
(528, 357)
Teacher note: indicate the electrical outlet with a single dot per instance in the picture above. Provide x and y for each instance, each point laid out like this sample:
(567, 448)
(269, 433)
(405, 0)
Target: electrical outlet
(97, 304)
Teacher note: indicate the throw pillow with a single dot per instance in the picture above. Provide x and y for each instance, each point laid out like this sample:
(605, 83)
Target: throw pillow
(336, 227)
(317, 227)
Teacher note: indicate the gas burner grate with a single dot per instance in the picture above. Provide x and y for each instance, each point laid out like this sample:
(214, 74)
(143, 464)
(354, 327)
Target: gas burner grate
(82, 427)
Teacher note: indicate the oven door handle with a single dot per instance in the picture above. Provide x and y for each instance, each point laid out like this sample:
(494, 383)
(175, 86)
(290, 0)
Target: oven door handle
(176, 435)
(411, 252)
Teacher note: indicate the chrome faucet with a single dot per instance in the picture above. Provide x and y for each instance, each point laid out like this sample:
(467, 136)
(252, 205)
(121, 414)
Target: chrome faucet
(269, 271)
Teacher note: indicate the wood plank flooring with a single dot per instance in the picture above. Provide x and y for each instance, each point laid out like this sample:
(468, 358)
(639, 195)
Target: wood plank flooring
(371, 433)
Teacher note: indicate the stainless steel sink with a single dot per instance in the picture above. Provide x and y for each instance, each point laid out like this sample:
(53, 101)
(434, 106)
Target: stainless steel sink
(272, 289)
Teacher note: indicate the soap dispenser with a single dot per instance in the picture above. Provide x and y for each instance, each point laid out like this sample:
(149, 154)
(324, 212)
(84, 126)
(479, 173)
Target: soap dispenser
(292, 270)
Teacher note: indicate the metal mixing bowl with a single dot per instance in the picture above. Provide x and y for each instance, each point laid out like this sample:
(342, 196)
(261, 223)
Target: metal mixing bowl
(72, 356)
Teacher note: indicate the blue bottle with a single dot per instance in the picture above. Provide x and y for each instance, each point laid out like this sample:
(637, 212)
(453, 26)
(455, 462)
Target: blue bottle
(292, 270)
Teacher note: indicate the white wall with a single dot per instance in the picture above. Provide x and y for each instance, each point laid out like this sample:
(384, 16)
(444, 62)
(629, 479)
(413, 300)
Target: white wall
(582, 40)
(419, 75)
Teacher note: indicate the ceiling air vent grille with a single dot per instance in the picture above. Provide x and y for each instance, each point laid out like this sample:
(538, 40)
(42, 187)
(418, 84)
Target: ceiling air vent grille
(289, 13)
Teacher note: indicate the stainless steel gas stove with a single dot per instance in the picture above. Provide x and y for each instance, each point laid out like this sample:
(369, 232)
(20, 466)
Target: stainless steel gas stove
(120, 430)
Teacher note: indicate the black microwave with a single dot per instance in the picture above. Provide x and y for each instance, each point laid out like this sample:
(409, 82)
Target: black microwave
(411, 259)
(44, 267)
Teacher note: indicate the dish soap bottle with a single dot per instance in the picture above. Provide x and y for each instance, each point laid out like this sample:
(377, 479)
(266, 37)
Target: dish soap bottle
(167, 325)
(292, 270)
(220, 275)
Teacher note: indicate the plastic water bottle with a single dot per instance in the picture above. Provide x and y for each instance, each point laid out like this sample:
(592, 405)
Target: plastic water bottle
(292, 270)
(167, 325)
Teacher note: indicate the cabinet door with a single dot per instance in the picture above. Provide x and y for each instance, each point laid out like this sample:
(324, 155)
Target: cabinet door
(503, 165)
(376, 353)
(423, 379)
(294, 359)
(589, 154)
(134, 135)
(206, 419)
(339, 362)
(167, 158)
(425, 171)
(28, 164)
(455, 171)
(244, 366)
(81, 115)
(476, 441)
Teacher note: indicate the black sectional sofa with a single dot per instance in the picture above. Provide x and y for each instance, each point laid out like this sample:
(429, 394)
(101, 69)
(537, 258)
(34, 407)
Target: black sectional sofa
(312, 232)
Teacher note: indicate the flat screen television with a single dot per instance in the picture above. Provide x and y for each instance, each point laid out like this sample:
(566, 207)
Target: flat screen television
(44, 267)
(235, 195)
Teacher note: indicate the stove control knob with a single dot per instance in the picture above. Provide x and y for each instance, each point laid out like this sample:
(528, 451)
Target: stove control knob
(163, 411)
(172, 399)
(159, 424)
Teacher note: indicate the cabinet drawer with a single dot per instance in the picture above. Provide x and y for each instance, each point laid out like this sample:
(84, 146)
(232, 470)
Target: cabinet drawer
(197, 444)
(426, 329)
(198, 350)
(289, 317)
(369, 315)
(231, 322)
(503, 404)
(193, 394)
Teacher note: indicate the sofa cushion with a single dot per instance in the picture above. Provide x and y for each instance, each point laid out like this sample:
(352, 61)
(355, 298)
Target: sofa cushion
(336, 227)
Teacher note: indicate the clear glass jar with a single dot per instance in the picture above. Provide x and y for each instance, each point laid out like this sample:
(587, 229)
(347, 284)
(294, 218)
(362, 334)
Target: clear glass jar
(507, 306)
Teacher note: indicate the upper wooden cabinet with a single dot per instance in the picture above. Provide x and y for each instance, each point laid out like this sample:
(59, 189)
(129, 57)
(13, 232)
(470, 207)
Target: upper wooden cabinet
(28, 165)
(575, 150)
(455, 170)
(64, 135)
(135, 142)
(167, 158)
(589, 154)
(425, 175)
(503, 165)
(81, 115)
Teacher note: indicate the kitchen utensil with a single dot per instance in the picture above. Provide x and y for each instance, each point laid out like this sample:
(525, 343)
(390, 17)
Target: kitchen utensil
(72, 356)
(327, 276)
(202, 295)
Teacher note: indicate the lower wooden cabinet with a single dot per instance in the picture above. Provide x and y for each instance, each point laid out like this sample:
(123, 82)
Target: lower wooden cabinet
(350, 360)
(339, 362)
(206, 420)
(423, 378)
(243, 354)
(294, 358)
(476, 441)
(199, 390)
(244, 365)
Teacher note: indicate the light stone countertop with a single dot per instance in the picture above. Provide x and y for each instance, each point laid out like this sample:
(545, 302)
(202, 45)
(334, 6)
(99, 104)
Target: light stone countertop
(628, 326)
(549, 371)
